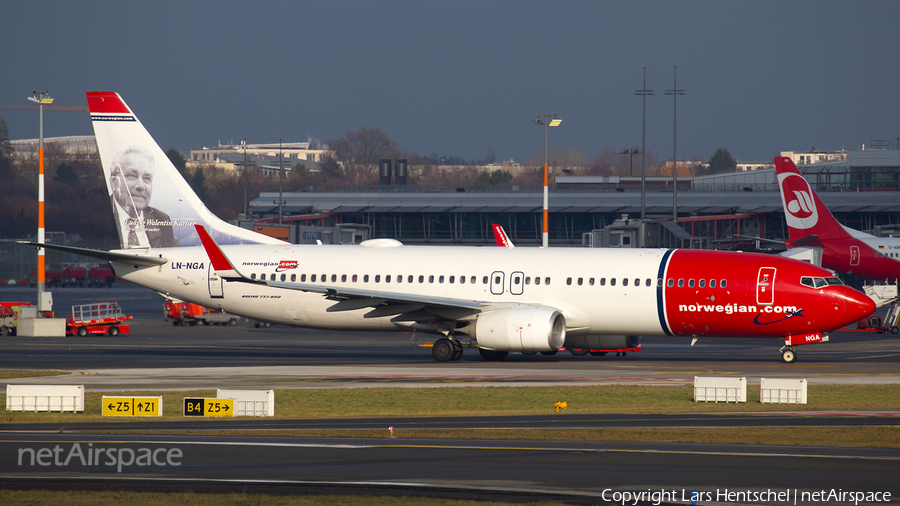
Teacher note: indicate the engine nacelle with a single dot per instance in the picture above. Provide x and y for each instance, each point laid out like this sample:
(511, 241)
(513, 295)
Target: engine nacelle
(595, 342)
(520, 329)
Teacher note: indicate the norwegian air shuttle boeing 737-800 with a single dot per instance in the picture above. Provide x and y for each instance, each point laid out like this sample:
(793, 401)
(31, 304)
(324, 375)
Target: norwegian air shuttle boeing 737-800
(506, 299)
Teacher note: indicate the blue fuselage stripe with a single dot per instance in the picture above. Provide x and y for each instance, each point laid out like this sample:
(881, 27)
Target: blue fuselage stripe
(659, 292)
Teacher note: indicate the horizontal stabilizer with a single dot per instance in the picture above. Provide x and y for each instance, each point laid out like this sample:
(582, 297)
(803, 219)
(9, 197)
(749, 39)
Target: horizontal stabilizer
(109, 256)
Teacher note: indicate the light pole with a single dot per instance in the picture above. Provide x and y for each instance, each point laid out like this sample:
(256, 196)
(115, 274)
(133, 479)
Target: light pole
(547, 122)
(643, 92)
(630, 153)
(280, 179)
(244, 145)
(675, 92)
(45, 303)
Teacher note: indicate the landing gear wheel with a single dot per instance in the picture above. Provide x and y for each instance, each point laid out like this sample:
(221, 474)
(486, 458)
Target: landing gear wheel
(492, 355)
(549, 353)
(579, 352)
(788, 356)
(457, 350)
(894, 329)
(443, 350)
(81, 332)
(113, 331)
(598, 353)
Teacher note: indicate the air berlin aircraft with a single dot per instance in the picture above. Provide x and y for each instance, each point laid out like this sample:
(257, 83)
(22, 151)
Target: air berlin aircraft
(507, 299)
(810, 224)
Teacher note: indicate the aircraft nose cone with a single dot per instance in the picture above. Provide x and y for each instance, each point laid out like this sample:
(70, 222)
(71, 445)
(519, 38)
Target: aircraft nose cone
(857, 305)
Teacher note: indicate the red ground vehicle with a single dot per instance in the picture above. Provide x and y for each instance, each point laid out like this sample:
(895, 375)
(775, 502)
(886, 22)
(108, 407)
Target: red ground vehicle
(51, 278)
(10, 312)
(100, 277)
(74, 276)
(188, 314)
(98, 318)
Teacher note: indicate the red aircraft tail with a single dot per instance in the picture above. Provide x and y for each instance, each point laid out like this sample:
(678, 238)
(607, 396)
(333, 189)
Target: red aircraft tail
(804, 212)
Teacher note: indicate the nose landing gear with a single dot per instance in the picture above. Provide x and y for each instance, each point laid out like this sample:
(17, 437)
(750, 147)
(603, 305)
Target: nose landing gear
(788, 355)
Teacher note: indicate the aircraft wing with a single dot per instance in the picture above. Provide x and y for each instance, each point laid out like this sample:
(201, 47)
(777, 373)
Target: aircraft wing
(403, 307)
(109, 256)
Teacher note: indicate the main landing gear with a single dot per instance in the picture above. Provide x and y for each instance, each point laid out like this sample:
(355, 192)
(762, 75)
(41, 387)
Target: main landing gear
(788, 355)
(447, 349)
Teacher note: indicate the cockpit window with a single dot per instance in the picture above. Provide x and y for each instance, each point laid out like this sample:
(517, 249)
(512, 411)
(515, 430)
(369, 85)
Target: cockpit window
(819, 282)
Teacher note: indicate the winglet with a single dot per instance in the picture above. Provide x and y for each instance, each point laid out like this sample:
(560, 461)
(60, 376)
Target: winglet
(502, 239)
(217, 258)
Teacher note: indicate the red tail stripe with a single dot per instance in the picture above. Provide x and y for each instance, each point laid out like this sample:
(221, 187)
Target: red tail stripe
(218, 259)
(106, 102)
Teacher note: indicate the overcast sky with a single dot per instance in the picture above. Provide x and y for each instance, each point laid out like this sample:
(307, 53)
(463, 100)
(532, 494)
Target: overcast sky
(460, 77)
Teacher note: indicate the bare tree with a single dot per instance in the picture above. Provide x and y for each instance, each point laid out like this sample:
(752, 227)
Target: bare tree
(359, 152)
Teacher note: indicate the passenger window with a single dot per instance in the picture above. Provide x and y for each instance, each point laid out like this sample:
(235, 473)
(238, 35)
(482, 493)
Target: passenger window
(497, 280)
(462, 280)
(658, 282)
(670, 282)
(691, 283)
(400, 278)
(723, 284)
(452, 279)
(366, 278)
(431, 278)
(612, 281)
(472, 280)
(387, 279)
(702, 283)
(293, 277)
(343, 278)
(313, 278)
(680, 282)
(602, 281)
(712, 283)
(253, 276)
(580, 281)
(568, 281)
(591, 281)
(378, 278)
(354, 278)
(537, 280)
(517, 280)
(421, 278)
(441, 279)
(637, 282)
(528, 280)
(284, 277)
(484, 281)
(624, 281)
(303, 278)
(262, 276)
(409, 279)
(547, 281)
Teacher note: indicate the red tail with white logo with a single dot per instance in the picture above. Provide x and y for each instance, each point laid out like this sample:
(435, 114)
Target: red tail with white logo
(804, 212)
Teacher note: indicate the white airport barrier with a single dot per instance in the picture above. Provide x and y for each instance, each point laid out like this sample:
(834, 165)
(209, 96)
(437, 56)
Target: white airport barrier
(250, 402)
(782, 391)
(717, 389)
(45, 398)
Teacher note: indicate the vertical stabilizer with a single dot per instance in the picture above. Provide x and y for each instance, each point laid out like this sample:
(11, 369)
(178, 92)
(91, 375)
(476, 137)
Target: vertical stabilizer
(804, 212)
(153, 206)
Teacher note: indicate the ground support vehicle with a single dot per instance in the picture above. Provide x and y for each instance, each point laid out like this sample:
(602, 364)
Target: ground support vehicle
(188, 314)
(100, 277)
(10, 312)
(52, 278)
(98, 318)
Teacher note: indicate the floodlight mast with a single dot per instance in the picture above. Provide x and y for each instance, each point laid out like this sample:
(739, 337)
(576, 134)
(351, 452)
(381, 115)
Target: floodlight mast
(547, 122)
(41, 98)
(675, 92)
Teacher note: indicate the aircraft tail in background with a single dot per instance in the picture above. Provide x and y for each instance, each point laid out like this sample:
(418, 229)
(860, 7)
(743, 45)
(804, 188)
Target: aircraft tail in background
(153, 206)
(804, 212)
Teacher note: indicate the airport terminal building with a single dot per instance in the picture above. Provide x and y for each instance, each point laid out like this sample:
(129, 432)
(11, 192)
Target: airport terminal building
(719, 211)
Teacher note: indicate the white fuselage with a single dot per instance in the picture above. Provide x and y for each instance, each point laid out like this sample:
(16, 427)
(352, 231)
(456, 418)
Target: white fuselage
(503, 277)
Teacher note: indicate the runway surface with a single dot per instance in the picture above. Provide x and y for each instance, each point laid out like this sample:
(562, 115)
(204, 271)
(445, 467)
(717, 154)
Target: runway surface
(158, 356)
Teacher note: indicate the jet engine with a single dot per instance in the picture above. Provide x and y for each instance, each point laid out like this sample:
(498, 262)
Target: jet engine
(519, 329)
